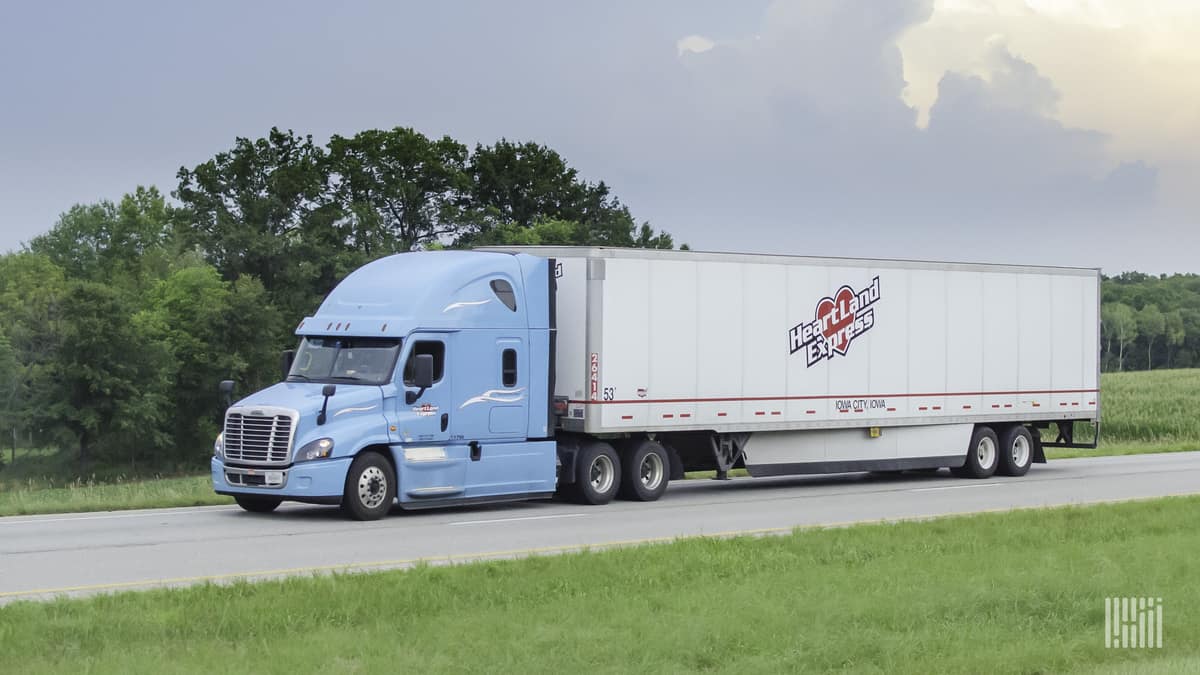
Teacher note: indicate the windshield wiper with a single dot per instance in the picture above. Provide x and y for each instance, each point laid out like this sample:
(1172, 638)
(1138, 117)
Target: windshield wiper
(351, 378)
(299, 377)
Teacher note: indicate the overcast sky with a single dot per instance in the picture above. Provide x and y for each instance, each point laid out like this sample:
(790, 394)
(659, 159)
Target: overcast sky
(1044, 131)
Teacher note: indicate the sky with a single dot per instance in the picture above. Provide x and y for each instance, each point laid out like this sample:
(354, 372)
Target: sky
(1060, 132)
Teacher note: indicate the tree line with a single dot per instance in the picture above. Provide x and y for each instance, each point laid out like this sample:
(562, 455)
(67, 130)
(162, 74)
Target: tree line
(121, 318)
(1149, 322)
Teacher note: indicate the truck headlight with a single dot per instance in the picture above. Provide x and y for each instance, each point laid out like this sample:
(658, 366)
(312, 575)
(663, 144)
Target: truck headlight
(219, 446)
(318, 449)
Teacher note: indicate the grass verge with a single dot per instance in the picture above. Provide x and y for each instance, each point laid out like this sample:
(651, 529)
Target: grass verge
(1013, 592)
(45, 497)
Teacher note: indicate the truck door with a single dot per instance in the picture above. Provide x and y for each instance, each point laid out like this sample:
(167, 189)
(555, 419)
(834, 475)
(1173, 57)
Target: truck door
(492, 414)
(431, 465)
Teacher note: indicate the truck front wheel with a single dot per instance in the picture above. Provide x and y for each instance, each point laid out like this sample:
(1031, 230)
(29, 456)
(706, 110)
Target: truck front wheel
(257, 504)
(647, 469)
(597, 474)
(370, 487)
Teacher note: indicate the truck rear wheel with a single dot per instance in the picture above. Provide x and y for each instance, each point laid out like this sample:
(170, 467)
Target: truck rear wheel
(1016, 451)
(257, 504)
(597, 474)
(982, 454)
(370, 487)
(647, 469)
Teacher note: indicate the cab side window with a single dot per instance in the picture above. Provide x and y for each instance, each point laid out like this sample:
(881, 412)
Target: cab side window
(508, 367)
(434, 348)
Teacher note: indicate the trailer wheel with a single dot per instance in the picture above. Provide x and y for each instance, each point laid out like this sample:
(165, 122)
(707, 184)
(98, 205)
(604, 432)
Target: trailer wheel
(370, 487)
(982, 454)
(597, 474)
(646, 471)
(1016, 451)
(257, 504)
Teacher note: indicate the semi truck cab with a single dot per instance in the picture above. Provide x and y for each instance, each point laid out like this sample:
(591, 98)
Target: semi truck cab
(423, 377)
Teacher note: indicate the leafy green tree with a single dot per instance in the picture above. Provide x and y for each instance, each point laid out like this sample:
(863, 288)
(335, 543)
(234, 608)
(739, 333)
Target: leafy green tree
(247, 210)
(1174, 331)
(212, 330)
(523, 184)
(113, 378)
(126, 243)
(1151, 325)
(399, 189)
(1120, 321)
(31, 302)
(9, 388)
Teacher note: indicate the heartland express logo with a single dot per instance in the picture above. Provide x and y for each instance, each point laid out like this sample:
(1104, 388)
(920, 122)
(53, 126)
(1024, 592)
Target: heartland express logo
(837, 321)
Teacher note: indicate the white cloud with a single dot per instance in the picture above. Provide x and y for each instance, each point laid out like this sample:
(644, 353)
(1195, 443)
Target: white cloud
(694, 44)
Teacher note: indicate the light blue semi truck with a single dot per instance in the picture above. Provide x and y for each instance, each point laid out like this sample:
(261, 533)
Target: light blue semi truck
(444, 378)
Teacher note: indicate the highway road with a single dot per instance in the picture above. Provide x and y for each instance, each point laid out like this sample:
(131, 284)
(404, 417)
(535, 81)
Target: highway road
(87, 553)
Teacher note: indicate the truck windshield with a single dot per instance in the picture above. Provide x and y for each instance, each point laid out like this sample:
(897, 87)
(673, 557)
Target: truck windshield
(345, 359)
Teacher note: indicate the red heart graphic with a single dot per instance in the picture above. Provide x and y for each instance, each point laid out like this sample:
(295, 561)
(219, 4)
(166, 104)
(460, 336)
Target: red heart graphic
(835, 315)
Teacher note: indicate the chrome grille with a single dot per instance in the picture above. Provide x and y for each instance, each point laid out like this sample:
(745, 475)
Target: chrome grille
(258, 439)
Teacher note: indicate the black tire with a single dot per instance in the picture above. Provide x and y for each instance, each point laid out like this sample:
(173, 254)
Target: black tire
(370, 487)
(1016, 451)
(257, 504)
(597, 474)
(975, 466)
(646, 470)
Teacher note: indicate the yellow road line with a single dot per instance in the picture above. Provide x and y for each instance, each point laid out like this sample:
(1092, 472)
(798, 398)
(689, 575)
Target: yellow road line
(543, 550)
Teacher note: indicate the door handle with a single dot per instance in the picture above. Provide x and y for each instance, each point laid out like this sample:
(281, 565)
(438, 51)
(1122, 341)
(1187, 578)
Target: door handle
(445, 421)
(476, 450)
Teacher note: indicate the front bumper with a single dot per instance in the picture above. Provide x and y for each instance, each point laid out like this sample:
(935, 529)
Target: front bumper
(318, 482)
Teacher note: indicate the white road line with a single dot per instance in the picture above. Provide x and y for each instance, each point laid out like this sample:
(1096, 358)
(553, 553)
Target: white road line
(956, 487)
(512, 520)
(36, 520)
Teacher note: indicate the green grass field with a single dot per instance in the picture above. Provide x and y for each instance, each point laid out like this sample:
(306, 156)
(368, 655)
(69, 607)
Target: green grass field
(1019, 592)
(1141, 412)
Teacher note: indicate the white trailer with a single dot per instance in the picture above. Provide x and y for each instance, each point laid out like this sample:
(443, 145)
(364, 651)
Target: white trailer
(790, 365)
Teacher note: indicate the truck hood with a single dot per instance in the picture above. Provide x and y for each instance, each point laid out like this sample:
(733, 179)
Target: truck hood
(306, 398)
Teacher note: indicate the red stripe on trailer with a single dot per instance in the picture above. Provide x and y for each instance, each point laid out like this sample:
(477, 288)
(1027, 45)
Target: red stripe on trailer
(1036, 404)
(937, 407)
(1091, 403)
(891, 410)
(626, 417)
(1062, 403)
(810, 412)
(722, 399)
(843, 411)
(1074, 402)
(966, 407)
(685, 414)
(1007, 405)
(995, 405)
(776, 412)
(923, 408)
(721, 414)
(760, 412)
(667, 416)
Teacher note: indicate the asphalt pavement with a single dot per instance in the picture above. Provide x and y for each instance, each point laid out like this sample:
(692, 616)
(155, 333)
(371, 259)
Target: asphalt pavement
(87, 553)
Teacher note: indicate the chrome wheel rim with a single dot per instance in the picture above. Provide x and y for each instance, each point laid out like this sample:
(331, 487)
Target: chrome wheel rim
(372, 487)
(1020, 451)
(985, 452)
(601, 474)
(651, 471)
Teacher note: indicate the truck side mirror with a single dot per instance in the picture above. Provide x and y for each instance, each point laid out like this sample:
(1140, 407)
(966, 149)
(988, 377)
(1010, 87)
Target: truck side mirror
(226, 389)
(285, 363)
(422, 377)
(326, 391)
